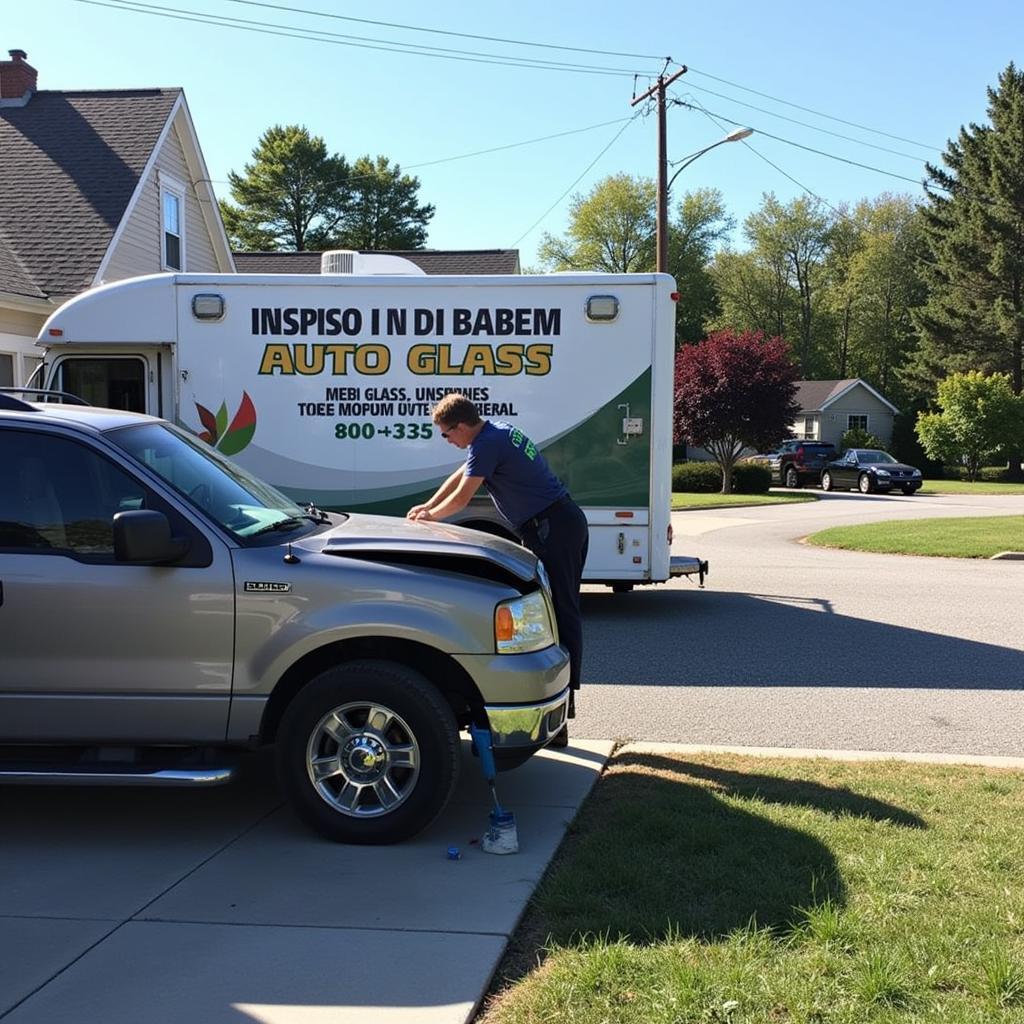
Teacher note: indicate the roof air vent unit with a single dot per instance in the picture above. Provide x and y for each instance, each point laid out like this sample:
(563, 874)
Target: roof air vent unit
(366, 264)
(338, 261)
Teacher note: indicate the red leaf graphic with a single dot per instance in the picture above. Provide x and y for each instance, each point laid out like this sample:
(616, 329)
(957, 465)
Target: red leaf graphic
(209, 421)
(242, 428)
(246, 415)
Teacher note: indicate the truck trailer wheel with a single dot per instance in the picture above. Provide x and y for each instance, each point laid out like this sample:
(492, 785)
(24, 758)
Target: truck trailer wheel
(368, 752)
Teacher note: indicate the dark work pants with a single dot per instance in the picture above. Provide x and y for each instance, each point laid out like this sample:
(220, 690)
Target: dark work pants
(559, 537)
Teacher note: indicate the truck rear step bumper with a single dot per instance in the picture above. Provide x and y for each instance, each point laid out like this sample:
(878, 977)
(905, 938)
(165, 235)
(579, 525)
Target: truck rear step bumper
(685, 565)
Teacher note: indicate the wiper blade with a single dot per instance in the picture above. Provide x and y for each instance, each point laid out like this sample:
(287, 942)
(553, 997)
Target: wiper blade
(282, 524)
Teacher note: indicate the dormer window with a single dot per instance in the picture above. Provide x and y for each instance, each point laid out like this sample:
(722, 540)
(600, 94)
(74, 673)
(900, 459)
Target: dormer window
(172, 223)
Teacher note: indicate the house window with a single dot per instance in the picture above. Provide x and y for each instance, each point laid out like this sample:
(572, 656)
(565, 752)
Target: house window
(809, 431)
(857, 421)
(30, 365)
(172, 223)
(6, 370)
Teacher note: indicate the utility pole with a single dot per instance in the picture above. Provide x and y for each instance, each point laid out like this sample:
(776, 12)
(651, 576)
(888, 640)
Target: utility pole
(662, 208)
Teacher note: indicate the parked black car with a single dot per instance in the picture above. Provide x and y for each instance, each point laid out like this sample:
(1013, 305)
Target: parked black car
(801, 462)
(870, 470)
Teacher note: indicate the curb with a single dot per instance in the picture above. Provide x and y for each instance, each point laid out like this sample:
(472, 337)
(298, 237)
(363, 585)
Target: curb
(919, 757)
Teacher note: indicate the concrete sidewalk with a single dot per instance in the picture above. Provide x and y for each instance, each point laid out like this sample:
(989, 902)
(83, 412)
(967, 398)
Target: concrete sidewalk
(218, 906)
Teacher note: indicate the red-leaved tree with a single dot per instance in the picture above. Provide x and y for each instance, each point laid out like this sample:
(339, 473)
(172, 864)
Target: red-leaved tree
(734, 391)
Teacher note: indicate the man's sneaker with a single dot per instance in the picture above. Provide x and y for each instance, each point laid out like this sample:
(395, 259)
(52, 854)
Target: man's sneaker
(561, 738)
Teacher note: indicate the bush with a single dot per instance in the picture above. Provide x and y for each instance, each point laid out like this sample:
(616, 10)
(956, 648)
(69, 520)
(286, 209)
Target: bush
(706, 478)
(750, 478)
(858, 438)
(696, 477)
(988, 474)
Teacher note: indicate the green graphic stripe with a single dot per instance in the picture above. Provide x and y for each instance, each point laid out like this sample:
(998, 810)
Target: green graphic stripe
(587, 458)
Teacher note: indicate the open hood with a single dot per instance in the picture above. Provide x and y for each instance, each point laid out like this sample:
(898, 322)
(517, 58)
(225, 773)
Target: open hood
(385, 538)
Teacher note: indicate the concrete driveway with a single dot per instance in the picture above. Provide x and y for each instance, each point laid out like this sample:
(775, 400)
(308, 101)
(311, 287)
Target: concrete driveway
(122, 906)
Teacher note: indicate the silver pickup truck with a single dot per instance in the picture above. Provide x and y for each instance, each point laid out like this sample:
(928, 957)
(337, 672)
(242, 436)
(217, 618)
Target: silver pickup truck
(161, 609)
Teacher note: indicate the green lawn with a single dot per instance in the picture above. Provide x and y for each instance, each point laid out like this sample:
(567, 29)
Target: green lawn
(964, 487)
(977, 537)
(724, 890)
(685, 500)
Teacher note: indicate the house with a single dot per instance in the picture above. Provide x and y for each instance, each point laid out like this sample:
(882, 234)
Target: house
(430, 261)
(95, 186)
(828, 408)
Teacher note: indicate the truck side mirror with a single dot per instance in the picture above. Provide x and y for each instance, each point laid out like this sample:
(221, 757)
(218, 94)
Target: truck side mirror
(143, 536)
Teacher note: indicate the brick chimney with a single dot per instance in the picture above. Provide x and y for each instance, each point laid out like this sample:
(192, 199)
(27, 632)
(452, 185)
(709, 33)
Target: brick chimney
(17, 78)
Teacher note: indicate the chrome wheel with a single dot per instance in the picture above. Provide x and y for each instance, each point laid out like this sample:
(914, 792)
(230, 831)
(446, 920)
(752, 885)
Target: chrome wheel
(792, 478)
(363, 759)
(826, 481)
(864, 483)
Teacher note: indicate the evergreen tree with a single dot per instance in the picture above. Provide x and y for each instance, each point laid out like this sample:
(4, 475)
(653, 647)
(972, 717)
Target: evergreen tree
(291, 196)
(974, 229)
(383, 211)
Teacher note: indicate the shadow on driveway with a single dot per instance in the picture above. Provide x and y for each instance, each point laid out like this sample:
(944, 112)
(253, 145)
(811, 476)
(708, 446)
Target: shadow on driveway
(683, 638)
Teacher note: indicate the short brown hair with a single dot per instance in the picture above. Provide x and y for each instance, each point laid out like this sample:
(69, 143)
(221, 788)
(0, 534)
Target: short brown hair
(456, 408)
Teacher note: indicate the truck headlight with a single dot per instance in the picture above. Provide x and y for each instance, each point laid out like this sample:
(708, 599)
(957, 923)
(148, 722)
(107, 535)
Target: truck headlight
(523, 624)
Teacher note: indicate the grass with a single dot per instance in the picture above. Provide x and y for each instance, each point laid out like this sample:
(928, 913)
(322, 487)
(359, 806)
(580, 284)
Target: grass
(977, 537)
(966, 487)
(687, 500)
(725, 890)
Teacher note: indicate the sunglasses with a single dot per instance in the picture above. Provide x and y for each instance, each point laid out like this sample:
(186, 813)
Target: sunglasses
(451, 430)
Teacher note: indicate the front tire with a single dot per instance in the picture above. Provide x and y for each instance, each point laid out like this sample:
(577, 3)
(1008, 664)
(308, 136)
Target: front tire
(864, 484)
(368, 752)
(826, 481)
(792, 477)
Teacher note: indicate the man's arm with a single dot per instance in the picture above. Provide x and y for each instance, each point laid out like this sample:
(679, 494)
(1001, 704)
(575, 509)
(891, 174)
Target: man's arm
(439, 495)
(456, 501)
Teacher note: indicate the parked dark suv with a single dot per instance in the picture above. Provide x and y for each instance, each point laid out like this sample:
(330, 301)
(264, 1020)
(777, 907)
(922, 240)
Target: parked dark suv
(802, 461)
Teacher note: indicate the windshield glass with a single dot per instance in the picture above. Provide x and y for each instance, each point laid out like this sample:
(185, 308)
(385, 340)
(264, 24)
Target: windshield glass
(873, 456)
(227, 493)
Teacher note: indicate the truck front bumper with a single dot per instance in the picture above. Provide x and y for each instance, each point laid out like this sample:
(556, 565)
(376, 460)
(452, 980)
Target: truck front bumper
(526, 727)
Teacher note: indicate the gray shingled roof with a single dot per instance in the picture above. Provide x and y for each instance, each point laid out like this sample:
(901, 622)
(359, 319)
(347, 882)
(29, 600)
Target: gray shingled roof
(70, 163)
(811, 395)
(431, 261)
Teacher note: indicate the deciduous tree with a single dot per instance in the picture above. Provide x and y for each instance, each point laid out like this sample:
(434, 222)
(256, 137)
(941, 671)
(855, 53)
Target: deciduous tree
(734, 391)
(980, 417)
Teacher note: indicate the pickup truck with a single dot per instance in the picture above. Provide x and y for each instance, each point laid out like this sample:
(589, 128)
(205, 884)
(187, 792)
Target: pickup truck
(162, 610)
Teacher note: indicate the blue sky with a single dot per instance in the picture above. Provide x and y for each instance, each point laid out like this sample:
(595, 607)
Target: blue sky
(911, 69)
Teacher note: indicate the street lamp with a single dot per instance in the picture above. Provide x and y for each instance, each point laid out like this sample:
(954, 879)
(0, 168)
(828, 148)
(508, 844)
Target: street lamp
(662, 213)
(734, 136)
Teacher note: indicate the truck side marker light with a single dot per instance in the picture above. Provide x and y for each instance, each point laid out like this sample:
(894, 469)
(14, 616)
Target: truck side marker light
(623, 515)
(504, 628)
(55, 332)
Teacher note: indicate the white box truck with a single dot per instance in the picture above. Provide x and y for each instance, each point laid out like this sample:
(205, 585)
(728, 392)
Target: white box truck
(323, 384)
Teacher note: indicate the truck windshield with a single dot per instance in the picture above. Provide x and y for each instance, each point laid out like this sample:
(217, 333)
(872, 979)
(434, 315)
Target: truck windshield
(237, 500)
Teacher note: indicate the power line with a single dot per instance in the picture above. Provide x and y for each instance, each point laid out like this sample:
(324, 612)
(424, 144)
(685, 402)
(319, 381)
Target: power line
(356, 42)
(461, 156)
(805, 124)
(614, 139)
(810, 110)
(446, 32)
(809, 149)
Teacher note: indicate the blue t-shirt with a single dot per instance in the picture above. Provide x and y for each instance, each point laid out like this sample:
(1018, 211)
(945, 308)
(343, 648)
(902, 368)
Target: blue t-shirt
(516, 474)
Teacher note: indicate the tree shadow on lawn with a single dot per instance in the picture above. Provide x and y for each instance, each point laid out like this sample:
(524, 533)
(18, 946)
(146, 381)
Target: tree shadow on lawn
(663, 852)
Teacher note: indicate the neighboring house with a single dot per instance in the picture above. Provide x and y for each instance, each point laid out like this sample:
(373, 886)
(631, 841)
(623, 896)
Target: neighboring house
(430, 261)
(95, 186)
(828, 408)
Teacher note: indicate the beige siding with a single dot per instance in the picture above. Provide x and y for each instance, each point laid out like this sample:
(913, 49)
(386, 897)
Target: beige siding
(138, 249)
(16, 321)
(857, 401)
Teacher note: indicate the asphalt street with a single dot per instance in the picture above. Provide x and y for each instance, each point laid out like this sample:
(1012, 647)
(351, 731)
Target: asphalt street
(791, 645)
